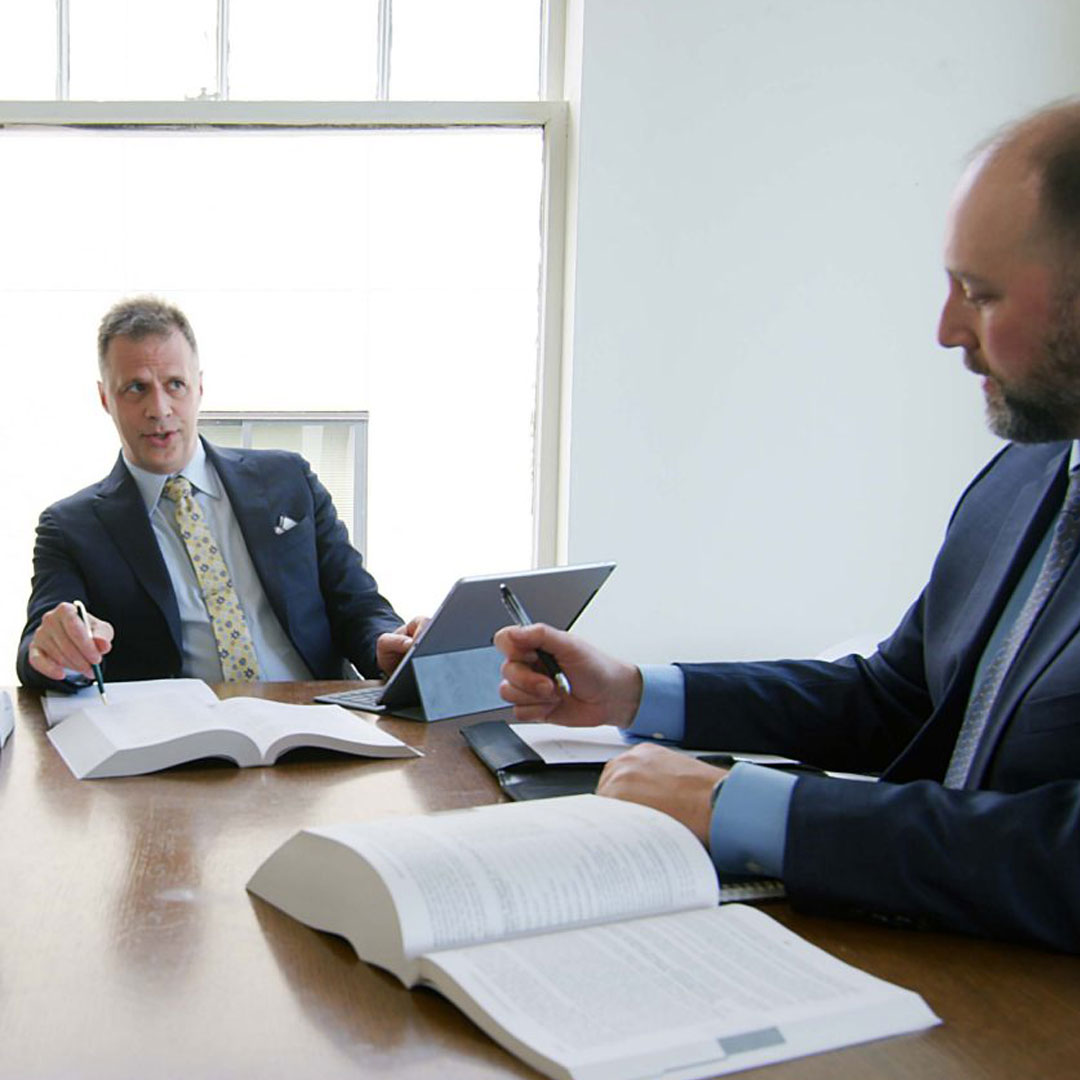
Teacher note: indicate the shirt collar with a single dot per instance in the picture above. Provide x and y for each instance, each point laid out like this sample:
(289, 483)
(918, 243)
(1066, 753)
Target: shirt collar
(1074, 455)
(198, 470)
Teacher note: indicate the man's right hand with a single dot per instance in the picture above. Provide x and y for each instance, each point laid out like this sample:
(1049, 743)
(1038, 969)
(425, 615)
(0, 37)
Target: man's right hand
(603, 690)
(62, 644)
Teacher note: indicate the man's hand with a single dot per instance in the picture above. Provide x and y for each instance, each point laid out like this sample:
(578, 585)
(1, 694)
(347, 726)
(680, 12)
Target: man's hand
(391, 648)
(62, 643)
(603, 690)
(658, 777)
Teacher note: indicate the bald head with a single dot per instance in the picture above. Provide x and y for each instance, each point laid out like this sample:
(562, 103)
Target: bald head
(1040, 155)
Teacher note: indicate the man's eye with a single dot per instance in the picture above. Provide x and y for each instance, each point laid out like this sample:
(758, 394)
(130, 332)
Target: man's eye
(177, 385)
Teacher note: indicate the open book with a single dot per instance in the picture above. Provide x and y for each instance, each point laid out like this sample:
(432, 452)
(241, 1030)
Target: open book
(583, 934)
(153, 731)
(58, 706)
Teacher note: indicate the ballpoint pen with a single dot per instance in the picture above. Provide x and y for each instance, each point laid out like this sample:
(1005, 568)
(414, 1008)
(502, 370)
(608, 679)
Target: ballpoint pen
(521, 617)
(80, 609)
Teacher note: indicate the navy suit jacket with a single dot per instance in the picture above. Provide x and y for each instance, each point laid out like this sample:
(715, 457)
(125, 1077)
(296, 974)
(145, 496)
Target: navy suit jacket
(1001, 858)
(98, 546)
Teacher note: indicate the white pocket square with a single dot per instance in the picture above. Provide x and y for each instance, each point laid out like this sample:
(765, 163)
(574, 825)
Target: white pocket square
(284, 524)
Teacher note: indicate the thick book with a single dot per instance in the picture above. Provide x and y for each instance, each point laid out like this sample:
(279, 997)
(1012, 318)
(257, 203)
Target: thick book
(59, 706)
(163, 729)
(584, 935)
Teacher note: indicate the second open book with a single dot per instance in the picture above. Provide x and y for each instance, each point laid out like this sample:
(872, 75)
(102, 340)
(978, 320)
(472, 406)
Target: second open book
(584, 935)
(160, 723)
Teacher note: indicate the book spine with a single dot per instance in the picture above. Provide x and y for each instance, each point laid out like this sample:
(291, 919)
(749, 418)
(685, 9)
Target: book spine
(733, 892)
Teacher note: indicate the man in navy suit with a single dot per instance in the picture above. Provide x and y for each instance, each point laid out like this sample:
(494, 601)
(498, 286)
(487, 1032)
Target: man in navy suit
(970, 711)
(306, 597)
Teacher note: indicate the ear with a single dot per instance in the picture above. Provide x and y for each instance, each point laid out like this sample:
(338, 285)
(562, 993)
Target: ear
(101, 396)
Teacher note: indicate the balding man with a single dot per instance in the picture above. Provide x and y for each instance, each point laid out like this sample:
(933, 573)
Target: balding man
(970, 711)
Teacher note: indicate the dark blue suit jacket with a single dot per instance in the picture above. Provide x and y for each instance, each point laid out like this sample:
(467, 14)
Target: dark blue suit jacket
(98, 546)
(1000, 860)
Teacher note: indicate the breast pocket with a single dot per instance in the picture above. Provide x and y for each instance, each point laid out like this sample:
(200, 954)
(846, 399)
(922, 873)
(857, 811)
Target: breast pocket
(296, 561)
(290, 533)
(1038, 713)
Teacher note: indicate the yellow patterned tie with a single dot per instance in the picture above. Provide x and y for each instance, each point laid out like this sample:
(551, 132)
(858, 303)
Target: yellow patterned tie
(235, 649)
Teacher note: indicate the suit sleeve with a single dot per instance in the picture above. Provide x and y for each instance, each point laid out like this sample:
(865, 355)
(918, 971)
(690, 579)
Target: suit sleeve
(355, 609)
(56, 578)
(851, 715)
(919, 854)
(990, 863)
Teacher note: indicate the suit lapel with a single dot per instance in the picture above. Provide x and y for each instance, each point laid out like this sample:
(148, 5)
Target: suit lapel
(1022, 528)
(122, 513)
(1054, 628)
(250, 503)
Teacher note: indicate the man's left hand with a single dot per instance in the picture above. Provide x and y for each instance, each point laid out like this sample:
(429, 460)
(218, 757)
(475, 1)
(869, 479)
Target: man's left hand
(391, 648)
(665, 780)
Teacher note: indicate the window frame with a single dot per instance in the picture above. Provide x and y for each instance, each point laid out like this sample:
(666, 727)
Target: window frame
(552, 38)
(549, 458)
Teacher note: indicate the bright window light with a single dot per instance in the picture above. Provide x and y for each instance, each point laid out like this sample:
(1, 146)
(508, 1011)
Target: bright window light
(142, 51)
(27, 50)
(320, 50)
(464, 51)
(394, 272)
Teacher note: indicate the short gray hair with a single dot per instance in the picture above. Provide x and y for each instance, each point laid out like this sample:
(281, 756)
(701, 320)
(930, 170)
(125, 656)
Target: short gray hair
(140, 317)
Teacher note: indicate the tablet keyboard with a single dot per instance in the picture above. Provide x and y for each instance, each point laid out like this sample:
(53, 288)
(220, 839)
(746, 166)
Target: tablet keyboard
(366, 697)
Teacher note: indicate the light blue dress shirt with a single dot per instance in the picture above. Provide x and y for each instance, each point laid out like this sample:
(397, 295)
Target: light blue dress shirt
(278, 659)
(754, 801)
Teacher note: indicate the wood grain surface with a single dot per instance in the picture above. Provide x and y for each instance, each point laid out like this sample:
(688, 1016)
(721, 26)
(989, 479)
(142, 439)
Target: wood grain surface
(130, 948)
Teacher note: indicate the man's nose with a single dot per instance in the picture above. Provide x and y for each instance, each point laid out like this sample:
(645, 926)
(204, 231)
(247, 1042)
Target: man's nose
(954, 327)
(158, 402)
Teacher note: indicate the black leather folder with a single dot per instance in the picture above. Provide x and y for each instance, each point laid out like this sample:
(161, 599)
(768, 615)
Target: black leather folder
(523, 774)
(520, 770)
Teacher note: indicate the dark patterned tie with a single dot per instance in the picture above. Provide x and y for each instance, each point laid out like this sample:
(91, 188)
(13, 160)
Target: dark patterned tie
(235, 648)
(1058, 556)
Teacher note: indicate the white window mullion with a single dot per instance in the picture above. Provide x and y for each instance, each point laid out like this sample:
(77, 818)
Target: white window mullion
(223, 50)
(63, 50)
(382, 91)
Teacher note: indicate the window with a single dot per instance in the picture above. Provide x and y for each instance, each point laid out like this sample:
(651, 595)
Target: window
(334, 445)
(388, 258)
(276, 50)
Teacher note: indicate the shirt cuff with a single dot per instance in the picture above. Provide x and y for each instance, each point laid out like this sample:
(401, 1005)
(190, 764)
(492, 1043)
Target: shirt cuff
(748, 829)
(76, 679)
(663, 699)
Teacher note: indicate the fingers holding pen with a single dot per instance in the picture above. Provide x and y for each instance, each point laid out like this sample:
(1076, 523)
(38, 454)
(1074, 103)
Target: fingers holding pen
(63, 642)
(522, 671)
(601, 690)
(535, 696)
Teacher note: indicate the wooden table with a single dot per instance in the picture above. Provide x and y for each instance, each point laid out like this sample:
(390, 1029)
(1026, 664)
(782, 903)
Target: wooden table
(130, 948)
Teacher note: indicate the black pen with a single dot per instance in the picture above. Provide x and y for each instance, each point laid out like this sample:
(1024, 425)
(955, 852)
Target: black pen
(80, 609)
(521, 617)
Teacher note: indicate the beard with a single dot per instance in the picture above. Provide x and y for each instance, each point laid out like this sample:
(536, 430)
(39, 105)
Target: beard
(1045, 405)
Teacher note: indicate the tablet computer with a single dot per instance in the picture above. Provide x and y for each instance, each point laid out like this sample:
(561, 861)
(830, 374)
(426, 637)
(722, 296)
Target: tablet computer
(452, 668)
